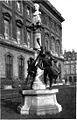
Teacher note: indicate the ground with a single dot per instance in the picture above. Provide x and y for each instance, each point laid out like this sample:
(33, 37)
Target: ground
(66, 97)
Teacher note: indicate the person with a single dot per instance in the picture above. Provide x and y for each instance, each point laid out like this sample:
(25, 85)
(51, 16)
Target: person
(49, 70)
(31, 70)
(47, 62)
(55, 70)
(31, 67)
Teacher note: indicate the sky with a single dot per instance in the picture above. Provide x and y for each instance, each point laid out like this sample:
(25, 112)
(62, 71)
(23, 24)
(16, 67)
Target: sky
(68, 9)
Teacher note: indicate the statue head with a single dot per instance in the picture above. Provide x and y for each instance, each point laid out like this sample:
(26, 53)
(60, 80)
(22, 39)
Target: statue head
(47, 53)
(31, 59)
(55, 60)
(36, 6)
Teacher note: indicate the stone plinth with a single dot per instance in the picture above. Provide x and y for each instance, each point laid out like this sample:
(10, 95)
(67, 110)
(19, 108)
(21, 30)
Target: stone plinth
(39, 102)
(38, 83)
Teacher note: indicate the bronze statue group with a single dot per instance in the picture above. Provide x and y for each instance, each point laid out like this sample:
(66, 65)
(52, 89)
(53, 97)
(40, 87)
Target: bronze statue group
(47, 63)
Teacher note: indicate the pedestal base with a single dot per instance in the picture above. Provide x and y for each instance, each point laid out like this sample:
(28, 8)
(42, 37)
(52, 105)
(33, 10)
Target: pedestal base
(39, 102)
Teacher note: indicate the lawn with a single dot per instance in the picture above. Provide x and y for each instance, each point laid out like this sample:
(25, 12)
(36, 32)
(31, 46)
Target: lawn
(66, 97)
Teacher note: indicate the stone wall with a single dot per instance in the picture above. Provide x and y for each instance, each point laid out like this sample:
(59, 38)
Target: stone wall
(52, 28)
(16, 54)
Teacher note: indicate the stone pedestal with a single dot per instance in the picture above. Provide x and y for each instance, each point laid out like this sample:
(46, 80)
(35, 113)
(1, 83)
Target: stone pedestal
(39, 102)
(38, 83)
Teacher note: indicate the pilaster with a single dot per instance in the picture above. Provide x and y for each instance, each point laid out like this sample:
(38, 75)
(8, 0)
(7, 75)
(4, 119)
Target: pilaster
(1, 21)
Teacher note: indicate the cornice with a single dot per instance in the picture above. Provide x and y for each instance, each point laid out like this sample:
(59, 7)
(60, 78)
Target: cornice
(49, 14)
(54, 10)
(15, 46)
(51, 8)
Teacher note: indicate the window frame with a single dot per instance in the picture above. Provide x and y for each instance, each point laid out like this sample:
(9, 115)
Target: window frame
(21, 70)
(28, 31)
(58, 47)
(9, 66)
(28, 16)
(53, 44)
(6, 28)
(7, 20)
(21, 7)
(19, 25)
(19, 36)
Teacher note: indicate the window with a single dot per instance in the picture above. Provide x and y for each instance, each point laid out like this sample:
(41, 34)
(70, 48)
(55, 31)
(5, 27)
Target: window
(7, 25)
(53, 44)
(21, 67)
(28, 11)
(9, 66)
(6, 29)
(44, 20)
(70, 79)
(19, 27)
(19, 6)
(52, 24)
(28, 38)
(74, 78)
(58, 47)
(19, 34)
(46, 44)
(46, 41)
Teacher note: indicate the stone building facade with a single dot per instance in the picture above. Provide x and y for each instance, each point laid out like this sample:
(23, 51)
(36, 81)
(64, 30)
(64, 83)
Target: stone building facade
(17, 40)
(70, 66)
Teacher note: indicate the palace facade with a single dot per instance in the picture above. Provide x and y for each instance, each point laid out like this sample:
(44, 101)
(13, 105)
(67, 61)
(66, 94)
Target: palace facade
(70, 66)
(17, 40)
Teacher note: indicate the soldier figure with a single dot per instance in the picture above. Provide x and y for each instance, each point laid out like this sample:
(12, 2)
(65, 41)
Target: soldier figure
(44, 63)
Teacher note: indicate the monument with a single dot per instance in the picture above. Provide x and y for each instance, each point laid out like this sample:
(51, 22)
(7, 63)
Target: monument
(39, 100)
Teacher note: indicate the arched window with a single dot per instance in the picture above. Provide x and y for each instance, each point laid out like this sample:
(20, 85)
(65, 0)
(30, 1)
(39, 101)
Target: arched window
(58, 47)
(70, 79)
(9, 66)
(21, 67)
